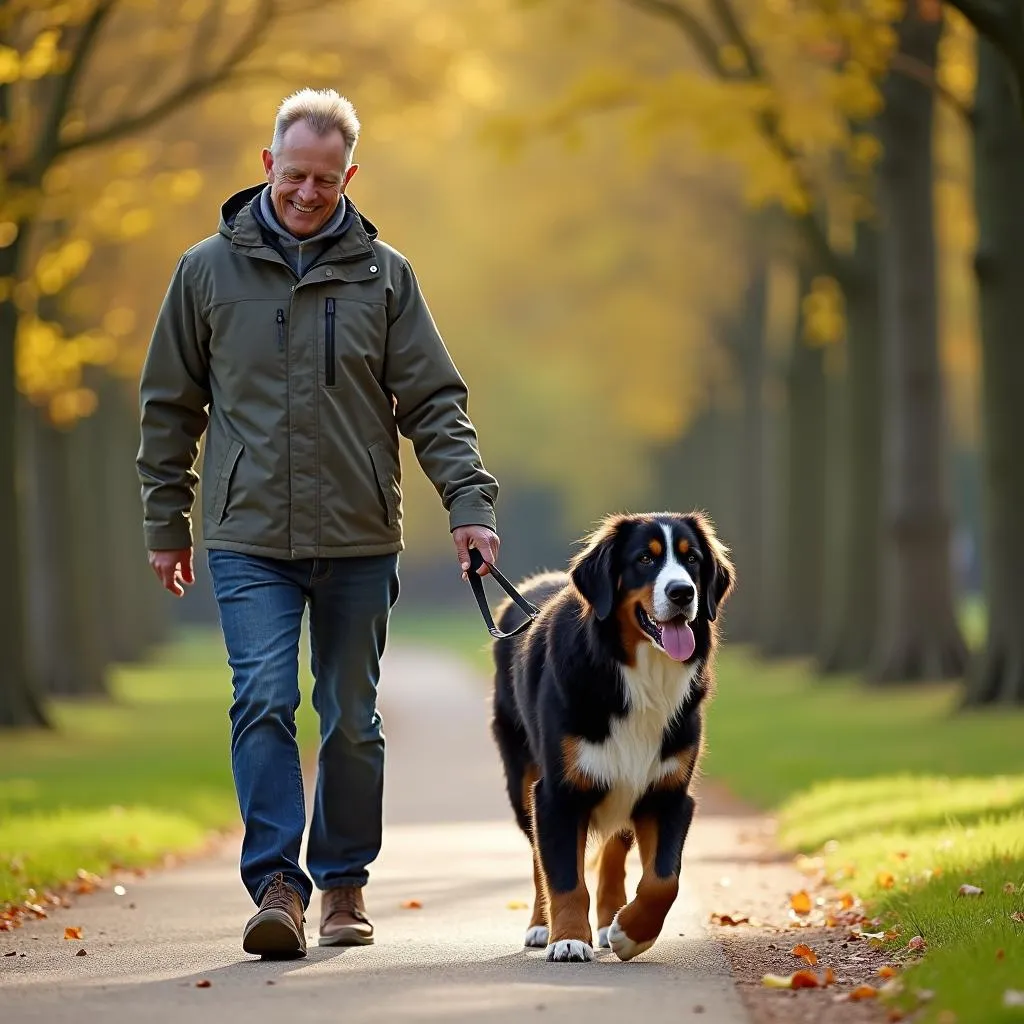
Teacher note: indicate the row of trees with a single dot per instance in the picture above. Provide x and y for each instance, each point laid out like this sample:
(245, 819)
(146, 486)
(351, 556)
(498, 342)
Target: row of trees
(841, 519)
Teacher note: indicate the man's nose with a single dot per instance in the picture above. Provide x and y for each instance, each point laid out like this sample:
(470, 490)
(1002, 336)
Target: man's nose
(680, 593)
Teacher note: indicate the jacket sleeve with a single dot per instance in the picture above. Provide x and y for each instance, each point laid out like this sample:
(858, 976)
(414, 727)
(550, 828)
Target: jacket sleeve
(432, 408)
(174, 396)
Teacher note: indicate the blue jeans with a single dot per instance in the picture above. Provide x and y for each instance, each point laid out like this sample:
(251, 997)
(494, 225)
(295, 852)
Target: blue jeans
(261, 603)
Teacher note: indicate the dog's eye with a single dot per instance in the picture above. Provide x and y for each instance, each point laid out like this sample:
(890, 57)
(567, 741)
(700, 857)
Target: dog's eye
(645, 559)
(691, 559)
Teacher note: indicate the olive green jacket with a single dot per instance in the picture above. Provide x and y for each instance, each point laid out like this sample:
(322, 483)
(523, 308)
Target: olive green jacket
(302, 386)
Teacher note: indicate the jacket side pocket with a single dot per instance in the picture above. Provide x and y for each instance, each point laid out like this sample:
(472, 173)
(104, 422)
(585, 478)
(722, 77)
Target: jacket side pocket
(220, 498)
(387, 479)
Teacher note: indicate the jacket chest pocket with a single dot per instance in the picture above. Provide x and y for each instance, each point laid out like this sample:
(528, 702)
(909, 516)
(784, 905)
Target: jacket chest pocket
(354, 335)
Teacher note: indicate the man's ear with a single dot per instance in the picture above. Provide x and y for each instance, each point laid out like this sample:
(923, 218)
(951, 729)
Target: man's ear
(717, 574)
(593, 572)
(268, 165)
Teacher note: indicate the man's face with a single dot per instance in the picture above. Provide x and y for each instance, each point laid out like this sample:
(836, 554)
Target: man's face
(307, 178)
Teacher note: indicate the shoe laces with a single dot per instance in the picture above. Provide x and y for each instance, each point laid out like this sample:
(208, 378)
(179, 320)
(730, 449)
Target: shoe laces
(279, 895)
(345, 899)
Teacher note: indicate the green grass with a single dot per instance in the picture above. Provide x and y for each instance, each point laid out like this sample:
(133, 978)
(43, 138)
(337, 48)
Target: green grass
(123, 782)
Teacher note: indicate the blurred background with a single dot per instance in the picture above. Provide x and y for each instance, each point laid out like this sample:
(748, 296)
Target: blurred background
(745, 256)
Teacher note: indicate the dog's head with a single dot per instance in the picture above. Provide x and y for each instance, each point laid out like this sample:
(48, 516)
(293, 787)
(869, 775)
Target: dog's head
(658, 575)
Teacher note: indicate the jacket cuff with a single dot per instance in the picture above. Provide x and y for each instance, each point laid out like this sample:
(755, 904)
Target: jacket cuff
(167, 537)
(472, 515)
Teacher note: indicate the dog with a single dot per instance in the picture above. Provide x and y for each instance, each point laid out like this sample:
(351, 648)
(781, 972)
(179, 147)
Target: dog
(597, 715)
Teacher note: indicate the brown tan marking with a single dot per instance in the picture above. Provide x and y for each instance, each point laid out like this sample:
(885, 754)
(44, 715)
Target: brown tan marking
(611, 879)
(683, 773)
(643, 918)
(684, 546)
(655, 547)
(571, 764)
(539, 917)
(632, 634)
(570, 911)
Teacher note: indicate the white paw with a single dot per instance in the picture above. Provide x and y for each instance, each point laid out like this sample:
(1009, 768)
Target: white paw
(536, 937)
(622, 945)
(572, 951)
(602, 938)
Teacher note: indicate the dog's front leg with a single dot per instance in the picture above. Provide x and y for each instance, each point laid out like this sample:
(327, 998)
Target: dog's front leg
(661, 829)
(560, 832)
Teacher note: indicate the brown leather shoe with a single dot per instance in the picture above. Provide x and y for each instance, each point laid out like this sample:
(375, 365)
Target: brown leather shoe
(276, 930)
(343, 919)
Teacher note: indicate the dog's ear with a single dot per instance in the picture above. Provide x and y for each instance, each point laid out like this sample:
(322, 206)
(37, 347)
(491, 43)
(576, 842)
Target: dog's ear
(717, 574)
(593, 571)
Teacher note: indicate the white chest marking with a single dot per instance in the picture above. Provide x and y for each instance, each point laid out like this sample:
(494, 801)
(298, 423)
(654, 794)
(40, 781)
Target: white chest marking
(629, 760)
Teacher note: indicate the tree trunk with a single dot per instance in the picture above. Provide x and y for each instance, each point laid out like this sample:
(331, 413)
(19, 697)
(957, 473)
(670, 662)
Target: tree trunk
(997, 676)
(748, 348)
(66, 606)
(796, 592)
(853, 587)
(20, 703)
(919, 636)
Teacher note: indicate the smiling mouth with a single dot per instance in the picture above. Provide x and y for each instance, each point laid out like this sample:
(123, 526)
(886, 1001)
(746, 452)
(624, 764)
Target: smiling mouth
(303, 209)
(674, 637)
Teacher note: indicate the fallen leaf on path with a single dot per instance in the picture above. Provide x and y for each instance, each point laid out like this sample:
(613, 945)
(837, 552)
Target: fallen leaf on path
(729, 919)
(888, 971)
(885, 879)
(830, 977)
(805, 953)
(970, 890)
(72, 933)
(799, 979)
(1012, 997)
(81, 952)
(895, 1014)
(846, 900)
(901, 855)
(412, 905)
(800, 902)
(517, 905)
(862, 992)
(1017, 916)
(205, 983)
(809, 865)
(916, 943)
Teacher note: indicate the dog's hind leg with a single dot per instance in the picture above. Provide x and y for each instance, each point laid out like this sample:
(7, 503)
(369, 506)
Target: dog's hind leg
(660, 831)
(611, 882)
(537, 931)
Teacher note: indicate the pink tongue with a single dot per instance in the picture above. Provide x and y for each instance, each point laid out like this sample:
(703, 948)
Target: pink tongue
(678, 640)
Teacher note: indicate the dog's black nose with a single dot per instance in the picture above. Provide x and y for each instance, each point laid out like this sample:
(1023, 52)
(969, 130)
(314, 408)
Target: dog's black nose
(680, 593)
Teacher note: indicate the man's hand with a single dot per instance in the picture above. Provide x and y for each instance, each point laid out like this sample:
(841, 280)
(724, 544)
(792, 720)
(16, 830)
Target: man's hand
(173, 568)
(480, 537)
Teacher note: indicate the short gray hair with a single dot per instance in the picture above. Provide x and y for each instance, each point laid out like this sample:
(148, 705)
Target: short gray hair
(324, 110)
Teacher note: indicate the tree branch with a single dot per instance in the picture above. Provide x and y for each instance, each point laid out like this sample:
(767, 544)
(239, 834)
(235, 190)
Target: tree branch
(691, 26)
(191, 89)
(911, 67)
(48, 147)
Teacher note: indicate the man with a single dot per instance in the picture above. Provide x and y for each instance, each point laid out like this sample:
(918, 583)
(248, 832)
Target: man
(301, 345)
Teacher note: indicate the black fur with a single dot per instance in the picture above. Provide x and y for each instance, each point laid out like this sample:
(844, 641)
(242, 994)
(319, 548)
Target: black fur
(562, 678)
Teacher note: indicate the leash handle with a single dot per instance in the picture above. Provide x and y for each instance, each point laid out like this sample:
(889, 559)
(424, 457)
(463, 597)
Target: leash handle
(476, 560)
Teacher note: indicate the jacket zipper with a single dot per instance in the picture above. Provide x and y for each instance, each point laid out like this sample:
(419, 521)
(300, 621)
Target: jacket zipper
(280, 330)
(329, 346)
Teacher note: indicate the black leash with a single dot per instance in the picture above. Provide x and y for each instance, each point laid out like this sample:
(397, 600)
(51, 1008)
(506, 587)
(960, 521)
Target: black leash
(476, 560)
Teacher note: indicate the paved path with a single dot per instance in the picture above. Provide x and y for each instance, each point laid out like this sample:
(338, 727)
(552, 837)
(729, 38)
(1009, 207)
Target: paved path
(449, 844)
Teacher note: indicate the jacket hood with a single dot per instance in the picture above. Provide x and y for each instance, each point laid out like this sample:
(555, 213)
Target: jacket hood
(236, 219)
